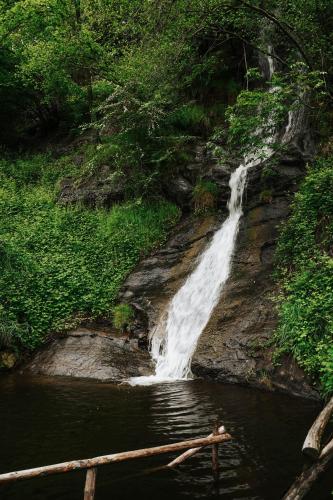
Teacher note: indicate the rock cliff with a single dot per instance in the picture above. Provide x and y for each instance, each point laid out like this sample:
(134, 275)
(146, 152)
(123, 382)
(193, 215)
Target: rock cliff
(235, 345)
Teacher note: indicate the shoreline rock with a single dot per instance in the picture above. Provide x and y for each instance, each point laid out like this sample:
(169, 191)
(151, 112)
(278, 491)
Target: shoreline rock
(93, 354)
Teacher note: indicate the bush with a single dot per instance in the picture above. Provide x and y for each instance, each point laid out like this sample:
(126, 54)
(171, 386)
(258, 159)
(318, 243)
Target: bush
(305, 265)
(205, 196)
(190, 117)
(123, 316)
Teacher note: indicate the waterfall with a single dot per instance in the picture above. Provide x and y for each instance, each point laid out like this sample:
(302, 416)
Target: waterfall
(191, 307)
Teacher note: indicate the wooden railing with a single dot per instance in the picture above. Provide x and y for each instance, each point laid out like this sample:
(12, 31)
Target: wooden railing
(219, 435)
(320, 453)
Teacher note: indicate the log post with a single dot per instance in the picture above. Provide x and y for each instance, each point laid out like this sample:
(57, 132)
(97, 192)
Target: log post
(312, 443)
(89, 488)
(215, 455)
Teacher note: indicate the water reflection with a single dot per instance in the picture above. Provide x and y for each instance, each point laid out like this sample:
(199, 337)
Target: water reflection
(46, 421)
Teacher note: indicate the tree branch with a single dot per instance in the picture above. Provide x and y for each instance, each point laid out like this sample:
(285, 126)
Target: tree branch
(283, 27)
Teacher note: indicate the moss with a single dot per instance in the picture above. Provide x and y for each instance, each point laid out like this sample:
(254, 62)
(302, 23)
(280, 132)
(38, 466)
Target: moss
(266, 196)
(123, 316)
(205, 196)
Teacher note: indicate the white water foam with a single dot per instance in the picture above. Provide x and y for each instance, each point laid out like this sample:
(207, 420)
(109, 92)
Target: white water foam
(191, 307)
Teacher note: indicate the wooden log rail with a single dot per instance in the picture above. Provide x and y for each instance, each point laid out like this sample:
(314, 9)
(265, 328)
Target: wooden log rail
(312, 443)
(91, 464)
(314, 449)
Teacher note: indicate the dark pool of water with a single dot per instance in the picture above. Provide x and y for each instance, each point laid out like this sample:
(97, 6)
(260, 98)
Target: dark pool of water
(45, 421)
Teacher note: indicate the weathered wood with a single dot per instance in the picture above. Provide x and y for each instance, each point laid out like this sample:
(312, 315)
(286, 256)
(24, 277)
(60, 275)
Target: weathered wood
(192, 451)
(107, 459)
(312, 443)
(89, 487)
(305, 481)
(215, 456)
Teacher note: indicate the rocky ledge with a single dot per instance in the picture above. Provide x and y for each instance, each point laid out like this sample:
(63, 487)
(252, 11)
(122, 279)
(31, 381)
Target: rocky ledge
(96, 354)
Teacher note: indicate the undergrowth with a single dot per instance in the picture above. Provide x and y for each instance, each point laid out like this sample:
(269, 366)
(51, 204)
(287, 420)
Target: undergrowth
(59, 264)
(305, 271)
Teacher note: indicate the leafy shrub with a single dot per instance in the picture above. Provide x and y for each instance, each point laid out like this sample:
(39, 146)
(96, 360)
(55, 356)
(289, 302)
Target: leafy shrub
(10, 331)
(305, 263)
(123, 315)
(190, 117)
(205, 196)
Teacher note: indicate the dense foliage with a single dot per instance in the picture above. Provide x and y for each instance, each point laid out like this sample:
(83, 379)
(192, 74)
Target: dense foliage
(61, 265)
(305, 258)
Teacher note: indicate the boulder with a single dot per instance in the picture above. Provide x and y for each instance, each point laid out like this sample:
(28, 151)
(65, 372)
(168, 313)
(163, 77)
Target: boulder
(179, 190)
(94, 354)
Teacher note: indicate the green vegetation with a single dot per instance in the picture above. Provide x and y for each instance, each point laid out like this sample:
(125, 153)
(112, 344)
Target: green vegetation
(60, 265)
(123, 316)
(305, 260)
(205, 195)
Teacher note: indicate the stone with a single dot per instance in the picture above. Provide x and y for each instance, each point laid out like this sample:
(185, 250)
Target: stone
(179, 190)
(103, 188)
(92, 354)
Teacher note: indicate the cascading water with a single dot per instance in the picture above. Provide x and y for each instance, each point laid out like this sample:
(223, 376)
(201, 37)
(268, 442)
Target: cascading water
(191, 307)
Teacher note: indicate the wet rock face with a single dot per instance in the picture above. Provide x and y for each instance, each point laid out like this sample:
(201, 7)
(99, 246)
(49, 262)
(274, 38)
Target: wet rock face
(92, 354)
(234, 345)
(157, 278)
